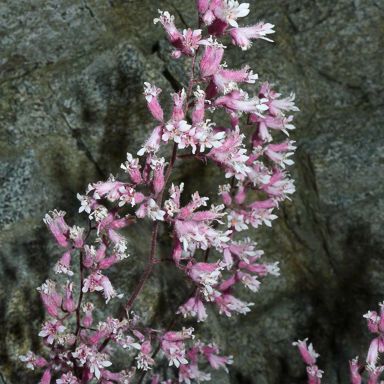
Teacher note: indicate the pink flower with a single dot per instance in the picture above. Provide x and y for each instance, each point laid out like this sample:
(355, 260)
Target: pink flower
(199, 108)
(314, 374)
(76, 234)
(46, 378)
(277, 106)
(261, 216)
(174, 352)
(33, 361)
(188, 44)
(229, 304)
(144, 359)
(58, 226)
(226, 80)
(224, 191)
(204, 273)
(240, 195)
(50, 298)
(158, 174)
(68, 378)
(307, 352)
(188, 373)
(240, 251)
(132, 167)
(193, 307)
(242, 36)
(374, 373)
(81, 353)
(100, 283)
(202, 5)
(152, 145)
(260, 269)
(205, 136)
(210, 352)
(249, 281)
(94, 361)
(376, 347)
(50, 330)
(87, 308)
(194, 234)
(279, 186)
(64, 264)
(179, 99)
(110, 189)
(231, 155)
(168, 22)
(177, 131)
(97, 362)
(239, 101)
(279, 153)
(212, 56)
(354, 368)
(151, 93)
(130, 196)
(151, 210)
(68, 302)
(373, 321)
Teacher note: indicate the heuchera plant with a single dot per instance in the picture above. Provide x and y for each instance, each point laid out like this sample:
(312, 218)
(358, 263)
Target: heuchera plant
(207, 243)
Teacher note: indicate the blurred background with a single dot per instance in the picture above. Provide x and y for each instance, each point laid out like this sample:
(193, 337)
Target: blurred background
(71, 106)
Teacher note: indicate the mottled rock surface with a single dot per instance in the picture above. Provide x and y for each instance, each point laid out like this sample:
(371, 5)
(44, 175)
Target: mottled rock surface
(71, 105)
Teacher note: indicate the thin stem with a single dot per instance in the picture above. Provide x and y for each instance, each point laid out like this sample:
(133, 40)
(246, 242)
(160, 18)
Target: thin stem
(78, 309)
(152, 259)
(148, 269)
(166, 178)
(168, 173)
(191, 82)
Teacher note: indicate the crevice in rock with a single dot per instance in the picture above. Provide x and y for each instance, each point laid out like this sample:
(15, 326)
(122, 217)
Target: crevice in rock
(2, 378)
(172, 80)
(241, 378)
(311, 203)
(179, 14)
(76, 134)
(350, 87)
(156, 48)
(378, 6)
(88, 8)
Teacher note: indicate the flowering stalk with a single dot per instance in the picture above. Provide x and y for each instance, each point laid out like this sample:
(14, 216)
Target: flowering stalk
(81, 352)
(372, 368)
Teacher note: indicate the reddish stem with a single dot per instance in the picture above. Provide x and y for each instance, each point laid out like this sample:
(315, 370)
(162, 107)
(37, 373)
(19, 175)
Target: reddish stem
(78, 308)
(148, 269)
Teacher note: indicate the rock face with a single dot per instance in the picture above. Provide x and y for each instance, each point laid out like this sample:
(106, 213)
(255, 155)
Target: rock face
(71, 106)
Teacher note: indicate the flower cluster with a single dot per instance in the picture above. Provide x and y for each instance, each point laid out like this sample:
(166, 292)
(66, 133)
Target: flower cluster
(208, 243)
(309, 356)
(357, 370)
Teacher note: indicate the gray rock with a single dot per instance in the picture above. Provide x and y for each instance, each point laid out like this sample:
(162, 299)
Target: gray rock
(71, 106)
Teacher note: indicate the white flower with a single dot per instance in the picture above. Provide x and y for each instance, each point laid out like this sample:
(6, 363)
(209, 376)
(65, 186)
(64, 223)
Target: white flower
(236, 220)
(273, 269)
(85, 203)
(232, 10)
(154, 212)
(99, 214)
(250, 282)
